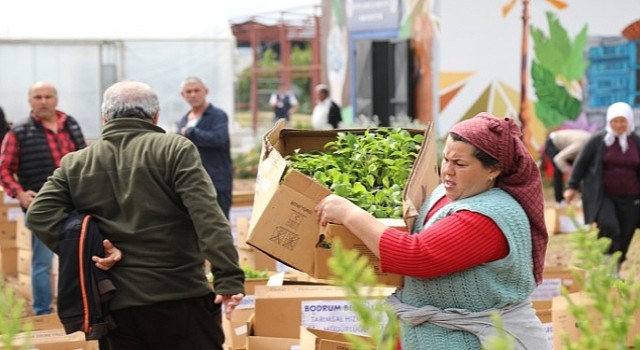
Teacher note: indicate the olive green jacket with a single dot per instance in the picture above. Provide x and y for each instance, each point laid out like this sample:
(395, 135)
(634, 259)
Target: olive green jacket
(153, 199)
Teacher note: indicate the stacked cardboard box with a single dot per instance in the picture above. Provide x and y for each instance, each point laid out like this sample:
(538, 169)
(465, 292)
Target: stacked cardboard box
(47, 333)
(314, 339)
(566, 325)
(555, 278)
(321, 307)
(9, 212)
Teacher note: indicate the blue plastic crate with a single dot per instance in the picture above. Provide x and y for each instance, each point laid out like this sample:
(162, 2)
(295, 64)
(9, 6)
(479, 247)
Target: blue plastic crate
(610, 81)
(611, 51)
(611, 66)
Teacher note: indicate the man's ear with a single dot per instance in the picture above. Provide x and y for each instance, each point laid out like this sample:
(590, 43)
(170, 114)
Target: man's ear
(104, 119)
(155, 118)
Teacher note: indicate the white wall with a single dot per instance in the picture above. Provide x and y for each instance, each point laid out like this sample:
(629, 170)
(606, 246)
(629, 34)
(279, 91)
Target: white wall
(476, 37)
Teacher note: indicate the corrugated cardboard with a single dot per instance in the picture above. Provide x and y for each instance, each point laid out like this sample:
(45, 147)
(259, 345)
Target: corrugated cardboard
(565, 323)
(8, 261)
(255, 342)
(351, 242)
(314, 339)
(23, 234)
(271, 343)
(284, 304)
(7, 234)
(554, 278)
(283, 223)
(47, 333)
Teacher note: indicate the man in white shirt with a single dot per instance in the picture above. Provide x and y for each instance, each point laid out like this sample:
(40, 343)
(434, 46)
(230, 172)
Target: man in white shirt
(326, 114)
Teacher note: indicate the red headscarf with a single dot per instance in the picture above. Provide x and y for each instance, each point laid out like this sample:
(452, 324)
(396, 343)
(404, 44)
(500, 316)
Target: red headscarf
(520, 177)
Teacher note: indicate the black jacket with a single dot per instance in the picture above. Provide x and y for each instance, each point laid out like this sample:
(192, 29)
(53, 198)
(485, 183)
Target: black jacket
(587, 170)
(84, 290)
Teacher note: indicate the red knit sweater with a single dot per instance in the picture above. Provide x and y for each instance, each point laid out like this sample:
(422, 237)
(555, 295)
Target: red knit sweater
(457, 242)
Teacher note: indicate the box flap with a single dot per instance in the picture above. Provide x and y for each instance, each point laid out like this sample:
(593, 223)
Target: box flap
(423, 177)
(270, 170)
(288, 222)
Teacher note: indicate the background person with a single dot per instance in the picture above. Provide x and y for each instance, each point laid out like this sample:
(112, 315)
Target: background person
(284, 103)
(478, 244)
(326, 114)
(153, 200)
(4, 125)
(208, 127)
(31, 151)
(562, 148)
(609, 170)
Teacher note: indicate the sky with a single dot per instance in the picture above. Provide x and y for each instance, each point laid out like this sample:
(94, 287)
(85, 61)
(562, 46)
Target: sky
(241, 8)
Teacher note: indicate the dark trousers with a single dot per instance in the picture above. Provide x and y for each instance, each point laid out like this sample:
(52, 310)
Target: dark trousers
(194, 323)
(224, 201)
(558, 186)
(618, 219)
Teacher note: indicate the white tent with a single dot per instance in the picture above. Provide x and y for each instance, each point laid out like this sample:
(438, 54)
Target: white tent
(82, 47)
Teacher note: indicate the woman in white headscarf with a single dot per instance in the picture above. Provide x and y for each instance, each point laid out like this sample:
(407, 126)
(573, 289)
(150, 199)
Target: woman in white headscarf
(608, 168)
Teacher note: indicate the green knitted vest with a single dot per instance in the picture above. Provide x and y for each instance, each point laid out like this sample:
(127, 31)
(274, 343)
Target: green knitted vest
(492, 285)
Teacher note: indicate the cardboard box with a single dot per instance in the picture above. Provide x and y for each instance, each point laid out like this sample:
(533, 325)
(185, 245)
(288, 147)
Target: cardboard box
(564, 323)
(7, 234)
(268, 343)
(47, 333)
(8, 261)
(10, 213)
(286, 304)
(271, 343)
(554, 278)
(24, 261)
(351, 242)
(559, 220)
(23, 234)
(6, 200)
(314, 339)
(283, 224)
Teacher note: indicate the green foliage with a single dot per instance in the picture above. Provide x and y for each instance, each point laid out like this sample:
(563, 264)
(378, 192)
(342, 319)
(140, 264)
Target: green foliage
(557, 53)
(245, 165)
(251, 273)
(11, 310)
(352, 272)
(370, 169)
(555, 104)
(270, 64)
(557, 58)
(615, 300)
(269, 59)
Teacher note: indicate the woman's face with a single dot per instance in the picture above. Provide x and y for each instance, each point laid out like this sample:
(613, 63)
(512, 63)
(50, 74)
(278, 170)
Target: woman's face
(619, 125)
(462, 174)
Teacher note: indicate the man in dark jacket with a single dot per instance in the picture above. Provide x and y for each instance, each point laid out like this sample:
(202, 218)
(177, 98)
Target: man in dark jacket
(208, 127)
(153, 199)
(31, 151)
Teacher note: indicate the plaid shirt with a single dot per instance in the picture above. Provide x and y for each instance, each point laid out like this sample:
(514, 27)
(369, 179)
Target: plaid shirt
(60, 143)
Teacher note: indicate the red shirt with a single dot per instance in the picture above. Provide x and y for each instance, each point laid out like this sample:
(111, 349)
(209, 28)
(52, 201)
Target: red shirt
(60, 143)
(457, 242)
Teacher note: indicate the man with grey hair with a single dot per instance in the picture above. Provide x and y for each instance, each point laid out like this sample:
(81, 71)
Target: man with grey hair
(153, 200)
(207, 127)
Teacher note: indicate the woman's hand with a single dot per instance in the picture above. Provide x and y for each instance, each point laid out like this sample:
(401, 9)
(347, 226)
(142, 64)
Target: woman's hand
(335, 209)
